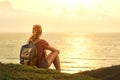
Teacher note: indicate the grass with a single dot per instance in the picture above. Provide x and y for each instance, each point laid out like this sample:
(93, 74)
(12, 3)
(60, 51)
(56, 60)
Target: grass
(23, 72)
(108, 73)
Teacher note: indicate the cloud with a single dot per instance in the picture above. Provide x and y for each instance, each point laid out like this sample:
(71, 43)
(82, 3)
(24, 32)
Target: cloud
(54, 17)
(6, 9)
(13, 20)
(16, 20)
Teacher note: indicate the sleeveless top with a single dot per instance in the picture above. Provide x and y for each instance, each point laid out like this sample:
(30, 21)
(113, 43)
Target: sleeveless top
(41, 54)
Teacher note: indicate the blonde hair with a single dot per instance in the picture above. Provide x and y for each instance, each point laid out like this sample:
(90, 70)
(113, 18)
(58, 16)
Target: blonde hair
(36, 32)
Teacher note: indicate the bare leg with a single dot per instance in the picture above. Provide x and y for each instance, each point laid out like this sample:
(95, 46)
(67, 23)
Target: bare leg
(56, 63)
(54, 58)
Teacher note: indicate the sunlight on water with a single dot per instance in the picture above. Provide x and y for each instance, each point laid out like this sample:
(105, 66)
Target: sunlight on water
(84, 53)
(78, 52)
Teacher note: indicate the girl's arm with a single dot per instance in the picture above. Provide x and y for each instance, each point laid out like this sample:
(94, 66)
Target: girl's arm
(52, 49)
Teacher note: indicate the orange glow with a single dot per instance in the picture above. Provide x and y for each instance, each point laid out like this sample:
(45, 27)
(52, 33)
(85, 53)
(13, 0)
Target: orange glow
(68, 15)
(66, 3)
(90, 2)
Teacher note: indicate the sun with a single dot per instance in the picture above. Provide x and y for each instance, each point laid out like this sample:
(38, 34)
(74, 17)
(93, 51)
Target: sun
(90, 2)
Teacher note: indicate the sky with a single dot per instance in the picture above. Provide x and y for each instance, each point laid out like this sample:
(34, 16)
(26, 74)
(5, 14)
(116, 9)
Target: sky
(60, 15)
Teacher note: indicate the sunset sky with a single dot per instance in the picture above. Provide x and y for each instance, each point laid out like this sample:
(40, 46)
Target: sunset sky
(60, 15)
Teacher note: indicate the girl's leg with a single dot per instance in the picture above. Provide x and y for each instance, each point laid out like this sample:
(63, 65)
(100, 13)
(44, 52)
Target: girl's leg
(56, 63)
(54, 58)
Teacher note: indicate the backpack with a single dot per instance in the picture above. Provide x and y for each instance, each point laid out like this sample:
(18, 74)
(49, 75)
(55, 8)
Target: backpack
(28, 54)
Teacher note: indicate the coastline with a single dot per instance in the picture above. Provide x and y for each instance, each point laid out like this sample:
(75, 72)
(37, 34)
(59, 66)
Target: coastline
(23, 72)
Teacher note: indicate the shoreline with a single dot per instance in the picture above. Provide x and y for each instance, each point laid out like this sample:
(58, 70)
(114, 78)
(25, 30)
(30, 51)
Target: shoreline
(64, 71)
(23, 72)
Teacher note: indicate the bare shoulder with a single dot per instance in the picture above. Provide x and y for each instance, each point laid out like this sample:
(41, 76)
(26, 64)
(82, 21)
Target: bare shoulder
(42, 40)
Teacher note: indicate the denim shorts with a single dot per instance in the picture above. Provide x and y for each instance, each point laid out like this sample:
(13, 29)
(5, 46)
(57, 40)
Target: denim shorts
(45, 65)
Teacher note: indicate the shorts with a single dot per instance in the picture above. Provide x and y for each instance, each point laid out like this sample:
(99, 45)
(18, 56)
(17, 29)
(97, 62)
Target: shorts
(45, 65)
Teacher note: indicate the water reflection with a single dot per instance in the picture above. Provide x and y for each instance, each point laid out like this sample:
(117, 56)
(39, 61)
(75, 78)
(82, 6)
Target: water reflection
(79, 55)
(79, 52)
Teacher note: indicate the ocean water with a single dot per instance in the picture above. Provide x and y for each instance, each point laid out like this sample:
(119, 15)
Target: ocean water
(78, 51)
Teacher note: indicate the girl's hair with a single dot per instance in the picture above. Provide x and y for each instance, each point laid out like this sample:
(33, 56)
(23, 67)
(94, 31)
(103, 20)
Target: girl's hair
(36, 32)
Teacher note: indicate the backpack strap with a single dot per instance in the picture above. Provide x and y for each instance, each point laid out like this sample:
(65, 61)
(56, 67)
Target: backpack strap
(34, 58)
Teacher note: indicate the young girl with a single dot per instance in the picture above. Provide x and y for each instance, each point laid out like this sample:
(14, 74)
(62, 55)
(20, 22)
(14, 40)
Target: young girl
(43, 60)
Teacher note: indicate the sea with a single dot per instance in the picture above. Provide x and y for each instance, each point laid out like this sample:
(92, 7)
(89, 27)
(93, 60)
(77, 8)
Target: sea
(78, 51)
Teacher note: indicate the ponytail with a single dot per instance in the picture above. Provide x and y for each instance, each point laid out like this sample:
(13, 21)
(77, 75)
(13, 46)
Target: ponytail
(36, 32)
